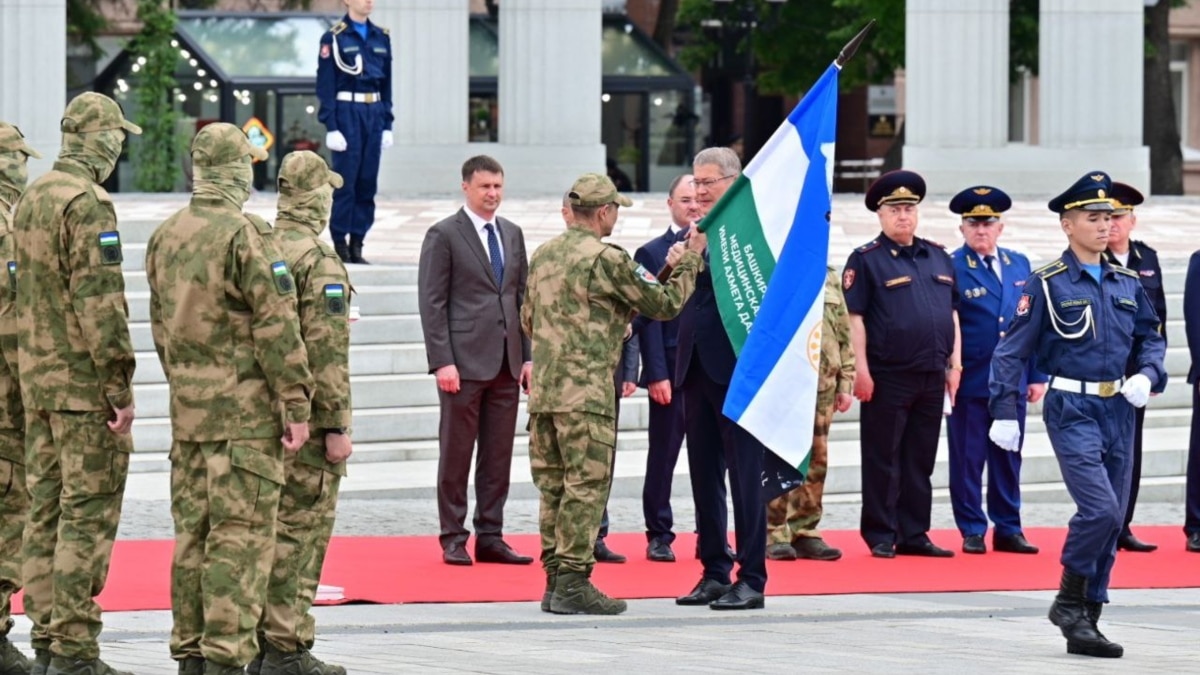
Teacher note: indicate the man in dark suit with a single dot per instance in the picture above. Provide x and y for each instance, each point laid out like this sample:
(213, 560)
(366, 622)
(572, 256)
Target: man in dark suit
(990, 280)
(471, 282)
(1140, 258)
(703, 367)
(1191, 320)
(658, 341)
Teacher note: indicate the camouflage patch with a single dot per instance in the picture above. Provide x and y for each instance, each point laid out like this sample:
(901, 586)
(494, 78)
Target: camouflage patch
(283, 278)
(110, 248)
(12, 275)
(335, 299)
(646, 275)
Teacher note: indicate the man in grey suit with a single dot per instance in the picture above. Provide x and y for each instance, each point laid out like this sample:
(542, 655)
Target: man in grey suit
(471, 282)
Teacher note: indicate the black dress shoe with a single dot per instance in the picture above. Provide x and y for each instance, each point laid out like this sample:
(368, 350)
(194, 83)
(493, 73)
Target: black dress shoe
(1128, 542)
(1193, 542)
(604, 554)
(926, 549)
(659, 551)
(500, 552)
(1016, 543)
(973, 543)
(455, 554)
(883, 551)
(741, 596)
(705, 592)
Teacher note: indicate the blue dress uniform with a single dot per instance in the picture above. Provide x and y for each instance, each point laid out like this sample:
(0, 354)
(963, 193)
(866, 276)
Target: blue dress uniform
(1083, 332)
(987, 306)
(354, 85)
(1144, 261)
(907, 297)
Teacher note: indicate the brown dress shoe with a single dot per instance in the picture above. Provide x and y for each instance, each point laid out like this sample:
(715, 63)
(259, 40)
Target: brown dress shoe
(455, 554)
(499, 552)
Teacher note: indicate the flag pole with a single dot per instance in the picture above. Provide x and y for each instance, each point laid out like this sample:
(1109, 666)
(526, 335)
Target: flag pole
(851, 47)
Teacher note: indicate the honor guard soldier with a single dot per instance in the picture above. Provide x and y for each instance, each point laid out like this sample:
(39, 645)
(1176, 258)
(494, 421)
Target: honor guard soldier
(1085, 319)
(354, 85)
(990, 279)
(1140, 258)
(903, 303)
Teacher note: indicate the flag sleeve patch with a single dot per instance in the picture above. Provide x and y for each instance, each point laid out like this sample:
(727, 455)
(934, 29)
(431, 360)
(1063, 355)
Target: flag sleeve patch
(110, 248)
(283, 278)
(646, 275)
(335, 299)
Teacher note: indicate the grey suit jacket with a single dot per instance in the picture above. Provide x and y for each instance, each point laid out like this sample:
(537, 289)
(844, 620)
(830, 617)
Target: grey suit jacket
(467, 320)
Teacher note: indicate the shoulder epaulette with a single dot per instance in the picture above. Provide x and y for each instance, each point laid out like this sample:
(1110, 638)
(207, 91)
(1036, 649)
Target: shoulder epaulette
(934, 243)
(259, 223)
(338, 27)
(1142, 245)
(874, 243)
(1125, 270)
(101, 193)
(326, 249)
(385, 31)
(1050, 270)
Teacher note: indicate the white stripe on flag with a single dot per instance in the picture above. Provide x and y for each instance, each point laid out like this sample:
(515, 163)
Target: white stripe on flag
(776, 179)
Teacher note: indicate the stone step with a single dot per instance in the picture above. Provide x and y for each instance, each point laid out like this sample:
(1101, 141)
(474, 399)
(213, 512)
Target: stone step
(386, 329)
(361, 277)
(381, 359)
(371, 301)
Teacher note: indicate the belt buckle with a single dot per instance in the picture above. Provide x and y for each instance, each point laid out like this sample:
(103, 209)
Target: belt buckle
(1108, 389)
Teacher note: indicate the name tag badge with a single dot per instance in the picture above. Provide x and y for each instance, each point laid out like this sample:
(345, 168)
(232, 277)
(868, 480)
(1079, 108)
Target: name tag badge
(898, 281)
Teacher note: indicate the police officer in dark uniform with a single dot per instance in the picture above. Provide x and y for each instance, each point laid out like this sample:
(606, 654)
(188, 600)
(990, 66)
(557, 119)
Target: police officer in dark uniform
(1140, 258)
(1085, 319)
(1191, 321)
(902, 300)
(354, 85)
(989, 279)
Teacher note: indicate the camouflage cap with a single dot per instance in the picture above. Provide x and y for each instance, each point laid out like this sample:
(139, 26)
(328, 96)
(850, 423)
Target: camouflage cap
(12, 140)
(594, 189)
(304, 171)
(223, 143)
(90, 111)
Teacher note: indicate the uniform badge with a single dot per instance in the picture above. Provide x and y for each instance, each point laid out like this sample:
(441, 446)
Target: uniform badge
(335, 299)
(1023, 304)
(847, 279)
(1146, 273)
(324, 51)
(898, 281)
(646, 275)
(283, 278)
(110, 248)
(12, 275)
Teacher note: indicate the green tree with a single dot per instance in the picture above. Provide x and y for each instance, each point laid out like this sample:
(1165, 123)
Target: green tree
(154, 154)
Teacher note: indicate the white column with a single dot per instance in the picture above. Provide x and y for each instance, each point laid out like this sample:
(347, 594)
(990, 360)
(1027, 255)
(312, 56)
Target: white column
(430, 90)
(956, 54)
(33, 73)
(550, 86)
(1084, 43)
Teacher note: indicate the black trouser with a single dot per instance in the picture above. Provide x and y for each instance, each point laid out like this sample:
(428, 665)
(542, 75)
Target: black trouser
(1139, 422)
(899, 428)
(1191, 522)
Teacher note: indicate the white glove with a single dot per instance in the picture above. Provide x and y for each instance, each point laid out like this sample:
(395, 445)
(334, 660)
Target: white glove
(335, 141)
(1006, 434)
(1137, 390)
(387, 138)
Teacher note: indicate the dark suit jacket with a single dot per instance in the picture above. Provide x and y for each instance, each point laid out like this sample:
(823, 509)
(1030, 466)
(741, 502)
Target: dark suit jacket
(701, 331)
(1144, 261)
(466, 319)
(658, 338)
(1191, 315)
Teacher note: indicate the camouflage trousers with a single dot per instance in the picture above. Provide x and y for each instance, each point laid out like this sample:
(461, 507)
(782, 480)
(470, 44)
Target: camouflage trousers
(14, 509)
(224, 500)
(75, 471)
(797, 513)
(302, 531)
(571, 457)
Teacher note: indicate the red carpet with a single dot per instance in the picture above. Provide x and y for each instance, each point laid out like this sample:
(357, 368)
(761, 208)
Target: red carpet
(410, 569)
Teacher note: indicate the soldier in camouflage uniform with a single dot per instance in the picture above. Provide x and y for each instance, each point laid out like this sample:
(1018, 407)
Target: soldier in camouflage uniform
(75, 365)
(223, 312)
(792, 518)
(14, 500)
(306, 508)
(581, 295)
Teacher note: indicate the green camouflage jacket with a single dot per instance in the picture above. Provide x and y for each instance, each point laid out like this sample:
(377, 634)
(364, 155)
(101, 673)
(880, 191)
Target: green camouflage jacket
(837, 354)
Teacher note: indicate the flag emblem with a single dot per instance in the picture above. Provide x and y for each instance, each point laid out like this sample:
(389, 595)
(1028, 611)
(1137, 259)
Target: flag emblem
(283, 278)
(335, 299)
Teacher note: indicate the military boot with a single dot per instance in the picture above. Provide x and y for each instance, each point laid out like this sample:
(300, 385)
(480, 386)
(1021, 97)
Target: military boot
(1072, 618)
(551, 582)
(41, 662)
(193, 665)
(355, 249)
(12, 661)
(575, 594)
(63, 665)
(211, 668)
(299, 662)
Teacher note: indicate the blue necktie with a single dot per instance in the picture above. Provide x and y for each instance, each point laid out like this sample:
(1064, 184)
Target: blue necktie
(494, 253)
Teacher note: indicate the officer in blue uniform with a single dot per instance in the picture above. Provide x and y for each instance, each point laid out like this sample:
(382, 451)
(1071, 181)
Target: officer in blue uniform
(902, 300)
(1191, 321)
(1140, 258)
(354, 85)
(990, 279)
(1084, 319)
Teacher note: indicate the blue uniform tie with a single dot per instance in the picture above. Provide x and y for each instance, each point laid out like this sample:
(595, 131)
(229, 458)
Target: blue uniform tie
(494, 253)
